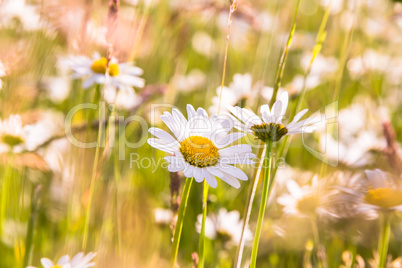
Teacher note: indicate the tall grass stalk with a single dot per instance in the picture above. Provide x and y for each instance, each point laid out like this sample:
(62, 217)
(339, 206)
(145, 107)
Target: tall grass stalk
(282, 61)
(385, 231)
(179, 223)
(31, 225)
(201, 246)
(93, 177)
(247, 213)
(267, 186)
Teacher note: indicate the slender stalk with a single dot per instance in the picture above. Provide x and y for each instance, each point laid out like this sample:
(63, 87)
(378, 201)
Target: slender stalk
(93, 178)
(247, 212)
(31, 226)
(180, 218)
(282, 62)
(233, 7)
(201, 245)
(265, 193)
(385, 231)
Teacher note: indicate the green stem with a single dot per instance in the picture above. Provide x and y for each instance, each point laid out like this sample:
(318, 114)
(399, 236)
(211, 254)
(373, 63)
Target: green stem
(201, 245)
(93, 178)
(385, 231)
(180, 218)
(265, 194)
(282, 62)
(31, 226)
(247, 213)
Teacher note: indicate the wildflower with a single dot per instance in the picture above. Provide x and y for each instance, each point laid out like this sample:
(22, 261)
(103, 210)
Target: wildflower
(238, 91)
(117, 77)
(381, 195)
(306, 200)
(226, 225)
(199, 147)
(270, 127)
(80, 260)
(12, 135)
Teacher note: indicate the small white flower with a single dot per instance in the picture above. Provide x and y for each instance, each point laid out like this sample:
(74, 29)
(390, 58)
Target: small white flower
(306, 200)
(80, 260)
(12, 135)
(200, 146)
(118, 77)
(383, 194)
(240, 89)
(226, 225)
(269, 126)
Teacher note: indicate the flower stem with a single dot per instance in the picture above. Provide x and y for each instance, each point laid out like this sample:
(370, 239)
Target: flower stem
(31, 225)
(265, 194)
(94, 174)
(201, 245)
(180, 218)
(385, 231)
(247, 212)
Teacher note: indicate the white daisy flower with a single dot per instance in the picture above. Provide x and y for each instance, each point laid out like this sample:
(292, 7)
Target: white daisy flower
(306, 200)
(80, 260)
(119, 76)
(269, 127)
(383, 194)
(200, 146)
(12, 134)
(239, 90)
(226, 225)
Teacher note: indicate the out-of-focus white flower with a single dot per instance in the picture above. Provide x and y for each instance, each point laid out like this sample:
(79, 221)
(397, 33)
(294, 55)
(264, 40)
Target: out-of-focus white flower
(306, 200)
(195, 79)
(383, 194)
(163, 216)
(80, 260)
(370, 61)
(227, 225)
(239, 90)
(2, 73)
(203, 44)
(117, 77)
(12, 134)
(269, 126)
(322, 66)
(18, 9)
(199, 147)
(359, 132)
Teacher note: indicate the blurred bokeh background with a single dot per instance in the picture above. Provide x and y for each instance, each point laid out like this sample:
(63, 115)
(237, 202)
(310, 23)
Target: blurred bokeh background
(180, 46)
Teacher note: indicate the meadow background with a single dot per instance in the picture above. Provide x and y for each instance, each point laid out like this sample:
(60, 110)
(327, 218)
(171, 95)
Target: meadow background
(180, 46)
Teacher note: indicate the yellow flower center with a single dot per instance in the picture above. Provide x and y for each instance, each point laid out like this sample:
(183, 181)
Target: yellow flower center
(384, 197)
(100, 66)
(56, 266)
(308, 204)
(199, 151)
(11, 140)
(269, 132)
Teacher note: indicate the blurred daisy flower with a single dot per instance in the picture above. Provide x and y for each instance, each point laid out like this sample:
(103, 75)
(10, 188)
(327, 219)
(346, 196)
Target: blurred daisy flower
(225, 225)
(269, 127)
(118, 78)
(306, 200)
(238, 91)
(200, 146)
(12, 135)
(383, 194)
(80, 260)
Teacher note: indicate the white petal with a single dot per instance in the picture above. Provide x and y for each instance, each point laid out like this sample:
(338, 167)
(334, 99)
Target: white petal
(163, 135)
(198, 174)
(46, 263)
(235, 150)
(210, 179)
(234, 171)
